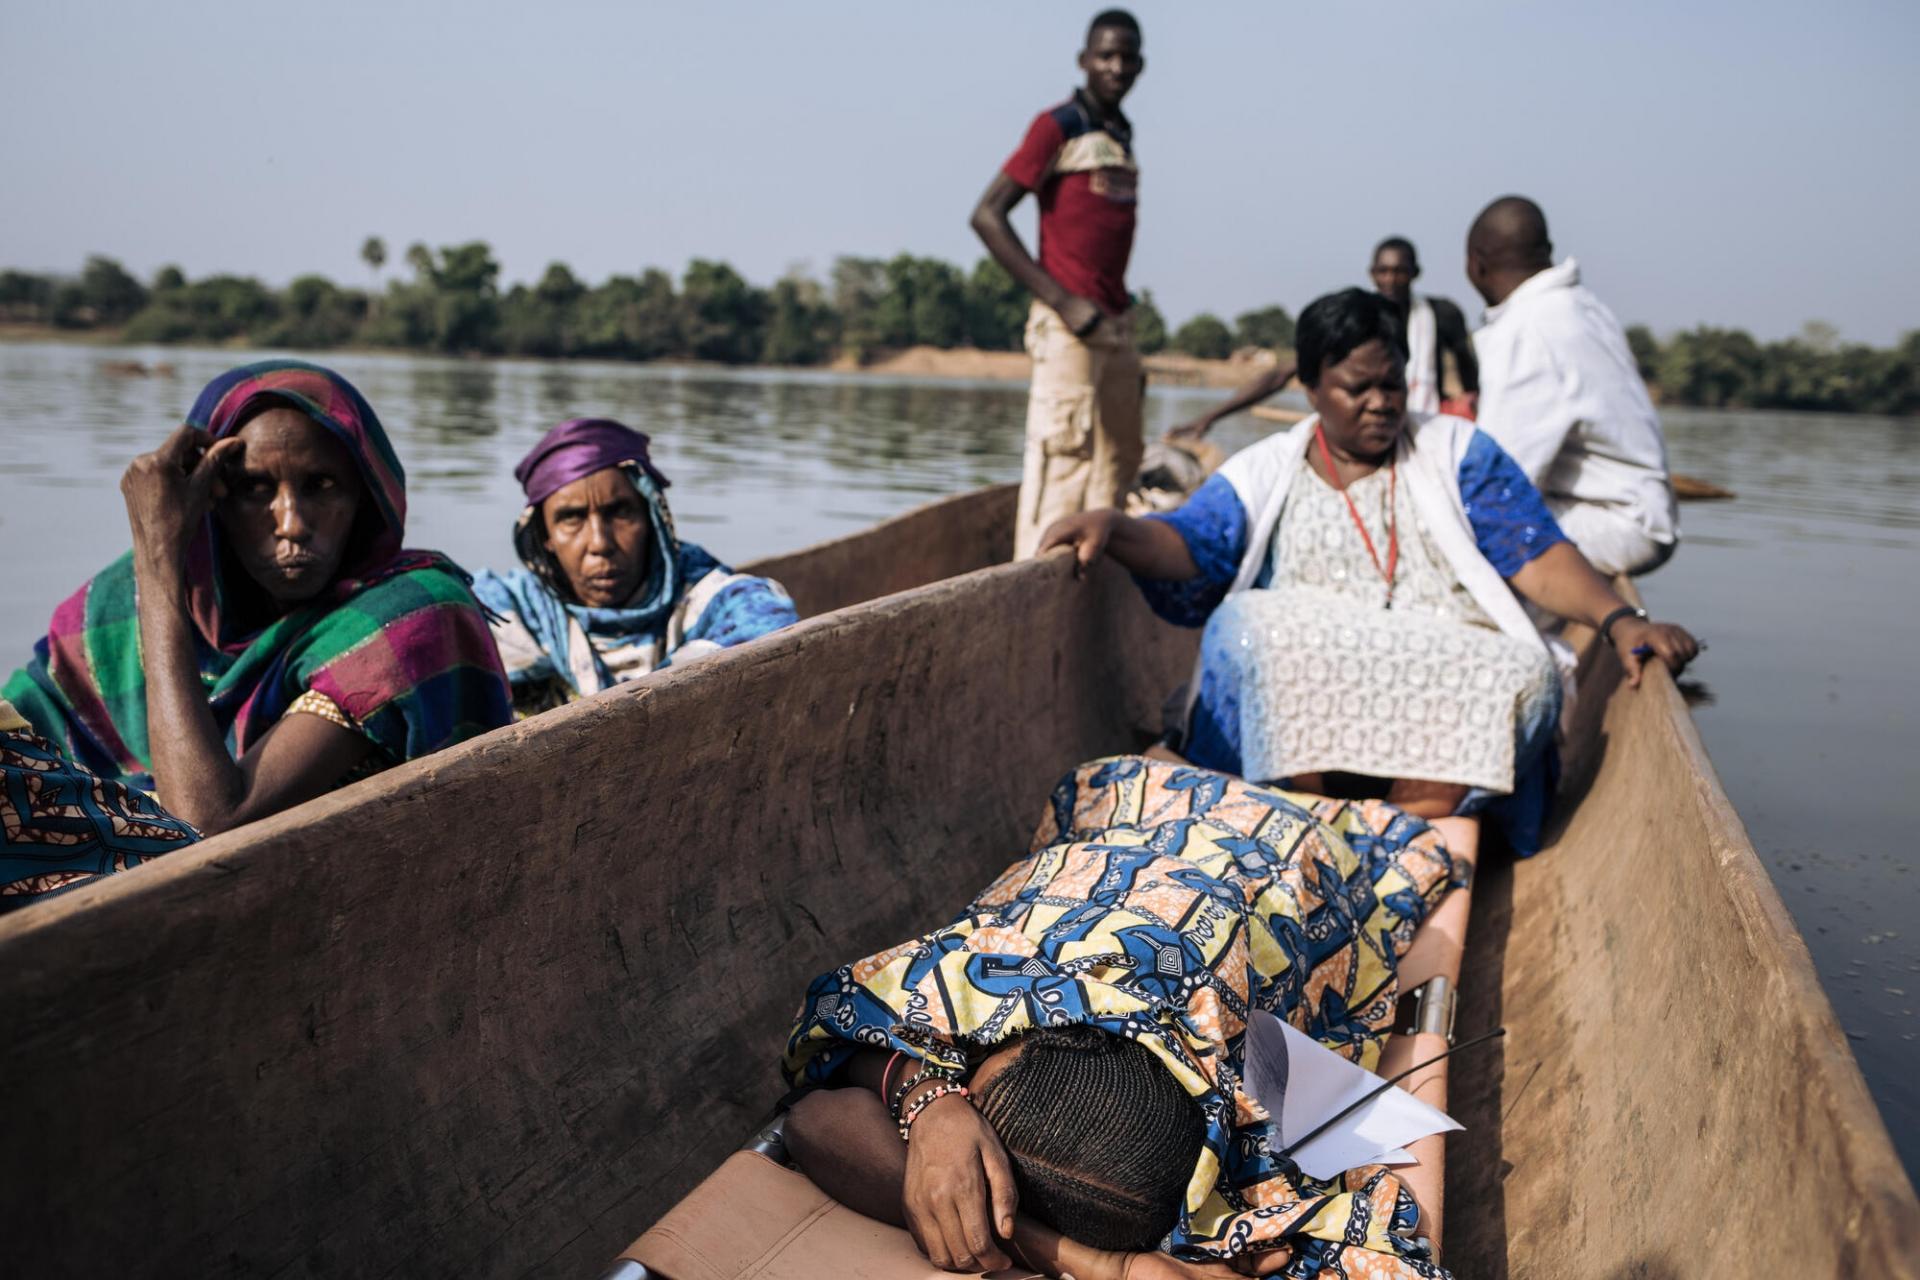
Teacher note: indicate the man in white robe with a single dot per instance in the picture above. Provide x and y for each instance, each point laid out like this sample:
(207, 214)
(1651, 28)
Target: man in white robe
(1559, 390)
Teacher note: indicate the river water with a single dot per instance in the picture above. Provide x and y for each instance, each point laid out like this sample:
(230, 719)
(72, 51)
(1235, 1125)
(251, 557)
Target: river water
(1804, 585)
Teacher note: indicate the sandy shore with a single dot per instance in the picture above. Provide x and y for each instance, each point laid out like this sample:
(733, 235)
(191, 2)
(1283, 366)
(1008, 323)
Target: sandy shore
(1167, 368)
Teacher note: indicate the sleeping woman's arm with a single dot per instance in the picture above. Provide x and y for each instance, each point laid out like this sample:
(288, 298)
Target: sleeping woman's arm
(952, 1187)
(846, 1143)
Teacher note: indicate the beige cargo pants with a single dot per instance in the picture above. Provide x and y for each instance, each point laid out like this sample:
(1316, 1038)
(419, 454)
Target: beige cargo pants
(1083, 422)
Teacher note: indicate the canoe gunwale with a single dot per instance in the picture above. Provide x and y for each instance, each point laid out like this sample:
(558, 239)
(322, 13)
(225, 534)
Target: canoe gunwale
(1681, 1041)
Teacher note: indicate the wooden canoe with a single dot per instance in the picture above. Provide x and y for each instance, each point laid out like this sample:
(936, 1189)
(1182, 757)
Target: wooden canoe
(492, 1012)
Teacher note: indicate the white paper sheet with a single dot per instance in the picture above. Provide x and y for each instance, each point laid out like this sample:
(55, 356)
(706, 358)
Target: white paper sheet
(1302, 1083)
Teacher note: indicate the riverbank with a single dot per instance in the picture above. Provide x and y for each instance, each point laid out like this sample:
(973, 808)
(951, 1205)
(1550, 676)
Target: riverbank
(1165, 368)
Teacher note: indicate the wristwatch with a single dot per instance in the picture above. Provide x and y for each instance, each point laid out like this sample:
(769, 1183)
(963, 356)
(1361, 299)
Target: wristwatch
(1428, 1009)
(1624, 611)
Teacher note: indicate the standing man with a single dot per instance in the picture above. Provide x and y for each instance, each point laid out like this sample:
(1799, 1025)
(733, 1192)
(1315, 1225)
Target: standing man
(1083, 413)
(1435, 326)
(1559, 390)
(1432, 325)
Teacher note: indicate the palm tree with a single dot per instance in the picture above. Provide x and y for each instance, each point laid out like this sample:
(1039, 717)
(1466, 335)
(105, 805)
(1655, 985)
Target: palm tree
(420, 258)
(373, 252)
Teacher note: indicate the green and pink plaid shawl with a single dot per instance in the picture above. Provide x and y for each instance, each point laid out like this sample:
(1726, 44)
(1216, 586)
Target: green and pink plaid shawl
(397, 641)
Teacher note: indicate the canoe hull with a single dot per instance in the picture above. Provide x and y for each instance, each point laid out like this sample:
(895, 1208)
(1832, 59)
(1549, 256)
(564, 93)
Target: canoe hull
(493, 1012)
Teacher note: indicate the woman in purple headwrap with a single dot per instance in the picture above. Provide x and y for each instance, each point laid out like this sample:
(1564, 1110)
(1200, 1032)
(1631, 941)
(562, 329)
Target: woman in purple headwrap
(608, 592)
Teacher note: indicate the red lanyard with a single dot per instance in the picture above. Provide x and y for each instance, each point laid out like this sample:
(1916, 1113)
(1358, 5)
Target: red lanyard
(1393, 513)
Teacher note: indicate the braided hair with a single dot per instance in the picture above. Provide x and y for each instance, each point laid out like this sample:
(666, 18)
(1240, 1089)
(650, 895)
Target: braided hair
(1102, 1137)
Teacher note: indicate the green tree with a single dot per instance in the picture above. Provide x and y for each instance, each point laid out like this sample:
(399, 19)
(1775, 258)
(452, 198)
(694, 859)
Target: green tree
(1269, 327)
(316, 313)
(25, 297)
(857, 286)
(215, 309)
(924, 303)
(722, 316)
(543, 320)
(633, 319)
(996, 307)
(1206, 336)
(1711, 367)
(466, 297)
(1149, 326)
(109, 292)
(801, 327)
(1906, 359)
(67, 308)
(1646, 351)
(373, 252)
(529, 327)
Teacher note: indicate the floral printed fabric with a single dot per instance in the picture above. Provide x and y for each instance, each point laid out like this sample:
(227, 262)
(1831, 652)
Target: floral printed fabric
(1163, 903)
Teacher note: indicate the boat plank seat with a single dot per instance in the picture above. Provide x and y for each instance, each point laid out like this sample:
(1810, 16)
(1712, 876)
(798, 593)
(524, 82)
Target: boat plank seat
(756, 1219)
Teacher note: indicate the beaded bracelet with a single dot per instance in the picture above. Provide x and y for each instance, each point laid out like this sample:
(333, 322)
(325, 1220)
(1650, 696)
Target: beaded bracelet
(940, 1090)
(886, 1074)
(927, 1071)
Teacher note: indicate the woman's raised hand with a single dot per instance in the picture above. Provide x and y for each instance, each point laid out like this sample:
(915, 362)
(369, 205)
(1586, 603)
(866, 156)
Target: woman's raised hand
(170, 491)
(1087, 532)
(959, 1195)
(1636, 639)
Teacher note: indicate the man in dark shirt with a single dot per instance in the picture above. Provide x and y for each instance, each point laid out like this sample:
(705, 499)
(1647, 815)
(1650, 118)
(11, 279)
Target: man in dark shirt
(1083, 413)
(1434, 326)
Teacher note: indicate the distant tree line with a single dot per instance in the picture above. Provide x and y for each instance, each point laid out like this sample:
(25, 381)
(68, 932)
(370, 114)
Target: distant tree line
(450, 300)
(1729, 368)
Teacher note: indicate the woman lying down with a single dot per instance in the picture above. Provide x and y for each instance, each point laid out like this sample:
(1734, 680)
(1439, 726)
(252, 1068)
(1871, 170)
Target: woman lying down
(1064, 1060)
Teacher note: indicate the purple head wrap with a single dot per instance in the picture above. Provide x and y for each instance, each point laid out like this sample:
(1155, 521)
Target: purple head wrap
(577, 448)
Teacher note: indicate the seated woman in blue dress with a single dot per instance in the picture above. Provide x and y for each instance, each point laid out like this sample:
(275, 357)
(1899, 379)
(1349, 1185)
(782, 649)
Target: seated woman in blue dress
(609, 592)
(1360, 578)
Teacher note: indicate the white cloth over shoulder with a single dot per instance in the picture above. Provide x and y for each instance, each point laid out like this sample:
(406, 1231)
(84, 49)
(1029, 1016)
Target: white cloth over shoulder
(1423, 364)
(1428, 457)
(1559, 390)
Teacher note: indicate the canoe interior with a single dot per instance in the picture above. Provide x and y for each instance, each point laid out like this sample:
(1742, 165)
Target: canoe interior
(490, 1013)
(942, 539)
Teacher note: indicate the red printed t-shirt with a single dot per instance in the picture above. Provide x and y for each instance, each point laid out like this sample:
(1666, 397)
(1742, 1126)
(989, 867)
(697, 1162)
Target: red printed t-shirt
(1082, 170)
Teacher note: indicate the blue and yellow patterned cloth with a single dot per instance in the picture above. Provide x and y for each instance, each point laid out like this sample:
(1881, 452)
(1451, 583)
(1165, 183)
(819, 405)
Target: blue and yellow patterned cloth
(61, 826)
(1162, 903)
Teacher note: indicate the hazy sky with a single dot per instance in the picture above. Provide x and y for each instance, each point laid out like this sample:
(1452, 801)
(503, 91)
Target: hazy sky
(1748, 164)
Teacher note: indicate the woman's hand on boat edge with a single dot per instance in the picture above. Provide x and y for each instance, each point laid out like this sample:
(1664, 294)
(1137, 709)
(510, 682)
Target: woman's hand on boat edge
(1086, 533)
(1637, 639)
(1148, 548)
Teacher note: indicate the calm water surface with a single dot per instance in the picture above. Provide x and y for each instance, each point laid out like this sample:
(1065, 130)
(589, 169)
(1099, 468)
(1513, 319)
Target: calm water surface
(1804, 586)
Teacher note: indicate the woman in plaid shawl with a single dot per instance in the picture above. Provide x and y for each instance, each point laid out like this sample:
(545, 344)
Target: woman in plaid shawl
(267, 638)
